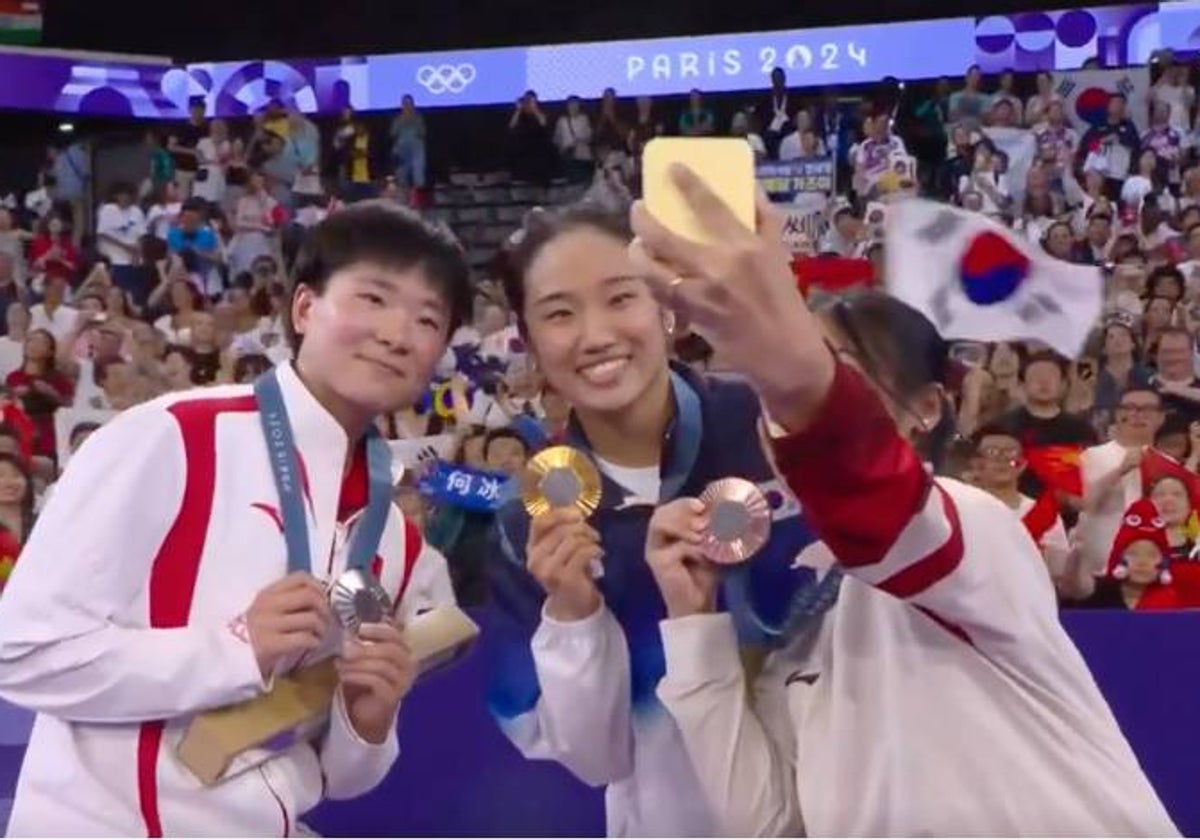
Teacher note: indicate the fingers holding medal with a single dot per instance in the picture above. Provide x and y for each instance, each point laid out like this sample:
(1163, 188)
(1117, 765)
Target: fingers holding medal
(560, 488)
(688, 539)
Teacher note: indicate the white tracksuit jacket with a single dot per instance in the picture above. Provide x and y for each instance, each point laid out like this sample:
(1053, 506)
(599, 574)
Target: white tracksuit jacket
(940, 695)
(122, 621)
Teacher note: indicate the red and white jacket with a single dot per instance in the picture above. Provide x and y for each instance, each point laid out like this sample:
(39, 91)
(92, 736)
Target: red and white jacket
(939, 696)
(121, 621)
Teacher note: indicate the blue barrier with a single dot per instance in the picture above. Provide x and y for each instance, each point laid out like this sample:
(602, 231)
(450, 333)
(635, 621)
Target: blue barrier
(458, 776)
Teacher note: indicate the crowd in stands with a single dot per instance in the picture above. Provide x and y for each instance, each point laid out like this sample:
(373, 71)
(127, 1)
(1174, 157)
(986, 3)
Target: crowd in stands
(178, 280)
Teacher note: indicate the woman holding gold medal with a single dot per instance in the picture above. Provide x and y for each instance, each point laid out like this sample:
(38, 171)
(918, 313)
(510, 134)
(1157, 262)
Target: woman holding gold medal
(577, 651)
(940, 695)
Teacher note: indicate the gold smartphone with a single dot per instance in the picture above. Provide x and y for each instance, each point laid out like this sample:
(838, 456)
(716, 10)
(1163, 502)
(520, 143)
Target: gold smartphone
(725, 164)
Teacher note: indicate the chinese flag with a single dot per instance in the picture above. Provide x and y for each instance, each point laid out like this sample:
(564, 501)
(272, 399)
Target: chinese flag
(1057, 467)
(1156, 465)
(1042, 516)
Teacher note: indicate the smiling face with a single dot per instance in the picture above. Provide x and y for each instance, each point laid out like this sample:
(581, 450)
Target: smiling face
(13, 484)
(372, 339)
(1171, 498)
(595, 329)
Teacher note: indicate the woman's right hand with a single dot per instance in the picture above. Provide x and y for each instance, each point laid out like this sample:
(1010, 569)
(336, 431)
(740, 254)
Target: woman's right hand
(686, 578)
(560, 554)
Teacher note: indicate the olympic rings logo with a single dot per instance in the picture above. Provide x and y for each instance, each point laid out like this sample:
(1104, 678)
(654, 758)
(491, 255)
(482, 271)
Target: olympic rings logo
(446, 78)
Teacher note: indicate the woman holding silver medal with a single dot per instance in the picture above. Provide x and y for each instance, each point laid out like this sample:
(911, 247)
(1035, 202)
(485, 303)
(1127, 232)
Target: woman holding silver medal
(576, 651)
(939, 695)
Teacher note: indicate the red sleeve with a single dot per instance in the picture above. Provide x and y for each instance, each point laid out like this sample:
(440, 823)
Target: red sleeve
(859, 482)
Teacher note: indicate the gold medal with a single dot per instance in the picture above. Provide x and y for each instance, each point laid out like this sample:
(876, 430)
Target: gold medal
(739, 520)
(560, 477)
(357, 599)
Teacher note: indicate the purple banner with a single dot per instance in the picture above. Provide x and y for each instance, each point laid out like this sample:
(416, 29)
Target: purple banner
(55, 83)
(1114, 36)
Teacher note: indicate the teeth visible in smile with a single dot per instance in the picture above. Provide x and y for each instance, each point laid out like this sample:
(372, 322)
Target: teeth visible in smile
(603, 368)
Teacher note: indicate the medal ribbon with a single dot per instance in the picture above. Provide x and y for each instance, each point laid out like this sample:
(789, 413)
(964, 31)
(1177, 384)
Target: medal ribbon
(285, 467)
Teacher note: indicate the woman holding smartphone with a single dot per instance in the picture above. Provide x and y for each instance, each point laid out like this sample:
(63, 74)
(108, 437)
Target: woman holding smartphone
(577, 657)
(940, 695)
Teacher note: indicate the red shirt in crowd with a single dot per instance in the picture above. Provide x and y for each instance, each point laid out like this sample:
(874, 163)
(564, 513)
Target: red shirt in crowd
(41, 407)
(67, 257)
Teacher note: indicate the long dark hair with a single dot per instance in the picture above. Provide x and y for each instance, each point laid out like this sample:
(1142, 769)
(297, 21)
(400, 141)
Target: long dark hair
(899, 350)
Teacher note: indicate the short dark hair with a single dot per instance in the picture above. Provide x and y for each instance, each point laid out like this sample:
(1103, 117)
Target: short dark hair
(543, 228)
(993, 430)
(1048, 356)
(504, 433)
(1139, 389)
(380, 232)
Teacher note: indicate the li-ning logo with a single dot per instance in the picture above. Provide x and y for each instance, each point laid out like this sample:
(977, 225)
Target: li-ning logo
(446, 78)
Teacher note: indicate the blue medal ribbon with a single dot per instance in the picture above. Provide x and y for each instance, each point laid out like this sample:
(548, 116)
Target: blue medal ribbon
(285, 467)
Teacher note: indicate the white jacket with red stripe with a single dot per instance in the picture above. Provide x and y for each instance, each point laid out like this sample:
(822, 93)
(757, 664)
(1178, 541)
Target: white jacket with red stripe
(123, 620)
(939, 696)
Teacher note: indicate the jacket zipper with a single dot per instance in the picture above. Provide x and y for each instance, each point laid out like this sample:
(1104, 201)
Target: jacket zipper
(287, 821)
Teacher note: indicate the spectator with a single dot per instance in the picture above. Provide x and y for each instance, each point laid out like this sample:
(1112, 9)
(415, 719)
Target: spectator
(967, 106)
(573, 137)
(408, 144)
(1042, 422)
(162, 165)
(178, 368)
(1111, 478)
(1167, 144)
(645, 127)
(1005, 93)
(197, 246)
(182, 144)
(12, 342)
(120, 226)
(213, 155)
(1137, 576)
(1039, 103)
(41, 389)
(1174, 377)
(505, 451)
(53, 248)
(777, 113)
(1174, 94)
(1120, 368)
(12, 243)
(530, 147)
(52, 314)
(1112, 144)
(255, 223)
(697, 120)
(71, 170)
(206, 352)
(611, 130)
(988, 181)
(16, 503)
(998, 470)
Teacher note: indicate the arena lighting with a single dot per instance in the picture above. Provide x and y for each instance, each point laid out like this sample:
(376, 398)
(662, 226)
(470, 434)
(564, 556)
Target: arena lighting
(66, 127)
(149, 88)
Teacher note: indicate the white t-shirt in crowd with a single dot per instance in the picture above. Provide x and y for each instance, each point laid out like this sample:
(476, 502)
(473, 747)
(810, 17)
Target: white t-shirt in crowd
(12, 352)
(160, 218)
(127, 226)
(58, 325)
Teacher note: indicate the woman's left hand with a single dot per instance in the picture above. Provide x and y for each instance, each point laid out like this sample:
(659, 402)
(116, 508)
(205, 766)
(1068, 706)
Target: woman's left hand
(741, 295)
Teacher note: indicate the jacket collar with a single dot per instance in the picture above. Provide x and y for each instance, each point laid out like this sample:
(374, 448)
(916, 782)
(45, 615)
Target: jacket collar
(681, 437)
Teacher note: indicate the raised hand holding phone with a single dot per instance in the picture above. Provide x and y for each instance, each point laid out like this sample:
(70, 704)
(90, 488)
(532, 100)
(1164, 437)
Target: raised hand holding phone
(737, 289)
